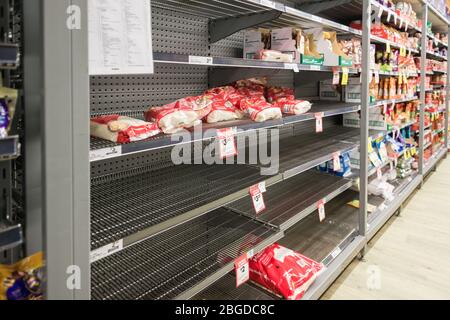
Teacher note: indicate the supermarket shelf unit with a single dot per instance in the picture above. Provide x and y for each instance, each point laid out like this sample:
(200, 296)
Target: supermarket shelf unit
(142, 228)
(10, 229)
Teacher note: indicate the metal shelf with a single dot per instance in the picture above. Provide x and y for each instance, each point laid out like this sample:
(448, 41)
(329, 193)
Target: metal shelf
(225, 290)
(379, 40)
(298, 155)
(9, 148)
(147, 202)
(395, 16)
(434, 56)
(437, 42)
(9, 56)
(291, 201)
(435, 158)
(103, 149)
(289, 16)
(404, 188)
(319, 241)
(171, 58)
(137, 206)
(10, 236)
(393, 101)
(182, 261)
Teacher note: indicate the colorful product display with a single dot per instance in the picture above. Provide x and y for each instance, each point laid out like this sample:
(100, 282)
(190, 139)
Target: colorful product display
(23, 280)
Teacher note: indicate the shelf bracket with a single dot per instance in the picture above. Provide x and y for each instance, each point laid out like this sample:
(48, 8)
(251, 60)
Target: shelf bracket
(224, 27)
(314, 7)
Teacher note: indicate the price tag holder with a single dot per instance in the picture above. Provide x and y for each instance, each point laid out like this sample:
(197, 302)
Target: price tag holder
(268, 3)
(227, 143)
(257, 199)
(315, 68)
(377, 77)
(336, 77)
(380, 12)
(200, 60)
(337, 161)
(242, 269)
(319, 122)
(385, 108)
(292, 66)
(321, 208)
(344, 81)
(379, 174)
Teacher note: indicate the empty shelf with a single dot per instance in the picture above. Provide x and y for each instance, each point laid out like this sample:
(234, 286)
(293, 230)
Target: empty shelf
(128, 205)
(290, 201)
(182, 261)
(318, 240)
(225, 289)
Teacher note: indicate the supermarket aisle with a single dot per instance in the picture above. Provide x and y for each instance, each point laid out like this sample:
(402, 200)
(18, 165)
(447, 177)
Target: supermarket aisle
(410, 257)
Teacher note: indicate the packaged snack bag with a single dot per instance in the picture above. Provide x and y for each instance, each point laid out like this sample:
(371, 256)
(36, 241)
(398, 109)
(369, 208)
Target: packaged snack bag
(223, 111)
(293, 107)
(284, 271)
(122, 129)
(23, 280)
(173, 117)
(275, 93)
(259, 110)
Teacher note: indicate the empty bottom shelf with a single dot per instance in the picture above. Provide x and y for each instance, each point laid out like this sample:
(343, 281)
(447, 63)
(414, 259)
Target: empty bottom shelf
(179, 263)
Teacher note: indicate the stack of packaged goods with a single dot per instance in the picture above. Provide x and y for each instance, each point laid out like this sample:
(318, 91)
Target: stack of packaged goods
(8, 101)
(251, 98)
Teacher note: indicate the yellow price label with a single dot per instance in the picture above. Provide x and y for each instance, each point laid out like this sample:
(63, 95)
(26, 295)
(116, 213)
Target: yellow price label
(344, 80)
(402, 52)
(370, 148)
(400, 79)
(388, 47)
(407, 155)
(413, 151)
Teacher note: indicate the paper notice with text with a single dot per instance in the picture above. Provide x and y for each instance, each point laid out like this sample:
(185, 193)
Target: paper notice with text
(120, 37)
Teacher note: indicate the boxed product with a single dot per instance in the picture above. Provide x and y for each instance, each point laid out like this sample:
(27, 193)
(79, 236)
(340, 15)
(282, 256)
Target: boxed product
(288, 41)
(352, 91)
(329, 91)
(255, 41)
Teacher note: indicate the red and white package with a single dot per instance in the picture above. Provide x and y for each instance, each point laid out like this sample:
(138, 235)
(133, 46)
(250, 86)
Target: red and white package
(284, 271)
(293, 107)
(121, 129)
(275, 93)
(261, 82)
(173, 117)
(227, 93)
(200, 104)
(259, 110)
(274, 55)
(223, 111)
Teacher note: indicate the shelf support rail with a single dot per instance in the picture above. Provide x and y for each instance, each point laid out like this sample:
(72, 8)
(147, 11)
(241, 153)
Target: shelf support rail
(224, 27)
(365, 101)
(423, 64)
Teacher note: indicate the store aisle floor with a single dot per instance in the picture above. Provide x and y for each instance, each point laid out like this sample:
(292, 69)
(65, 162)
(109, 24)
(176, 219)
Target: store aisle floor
(410, 256)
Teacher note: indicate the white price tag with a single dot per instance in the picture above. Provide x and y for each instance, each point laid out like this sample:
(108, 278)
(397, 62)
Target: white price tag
(106, 251)
(227, 143)
(257, 199)
(315, 68)
(262, 187)
(268, 3)
(389, 16)
(379, 174)
(242, 270)
(321, 208)
(319, 122)
(380, 12)
(102, 154)
(401, 23)
(250, 254)
(336, 252)
(292, 66)
(337, 161)
(377, 77)
(391, 165)
(336, 77)
(200, 60)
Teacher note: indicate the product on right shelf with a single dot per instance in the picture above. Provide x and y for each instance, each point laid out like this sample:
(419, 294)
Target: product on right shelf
(284, 271)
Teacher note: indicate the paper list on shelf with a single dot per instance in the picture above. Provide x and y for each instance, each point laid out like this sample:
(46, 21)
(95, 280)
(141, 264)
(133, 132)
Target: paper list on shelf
(120, 37)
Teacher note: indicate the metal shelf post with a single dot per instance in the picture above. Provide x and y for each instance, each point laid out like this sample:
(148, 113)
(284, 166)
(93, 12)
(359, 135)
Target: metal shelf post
(423, 64)
(365, 102)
